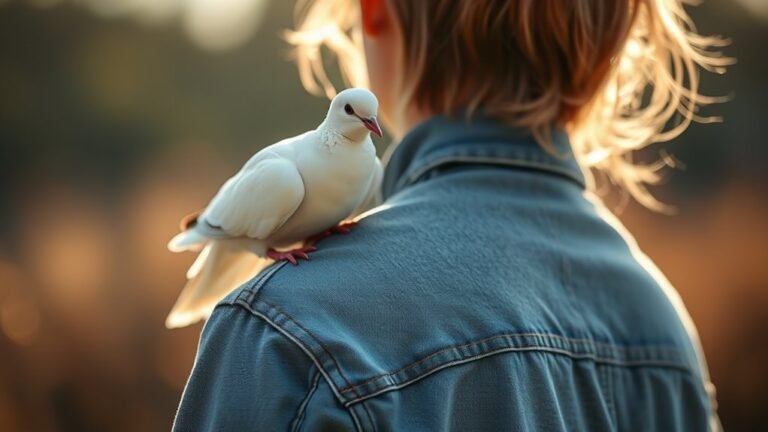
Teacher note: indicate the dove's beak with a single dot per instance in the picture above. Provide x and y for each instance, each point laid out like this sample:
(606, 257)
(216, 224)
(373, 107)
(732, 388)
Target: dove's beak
(372, 124)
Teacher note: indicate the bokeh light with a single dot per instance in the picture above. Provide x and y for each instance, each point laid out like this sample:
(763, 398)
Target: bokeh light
(213, 24)
(117, 117)
(20, 319)
(759, 8)
(19, 313)
(222, 24)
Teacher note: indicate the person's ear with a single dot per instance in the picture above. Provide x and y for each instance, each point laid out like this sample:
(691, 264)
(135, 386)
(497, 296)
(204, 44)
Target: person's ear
(375, 16)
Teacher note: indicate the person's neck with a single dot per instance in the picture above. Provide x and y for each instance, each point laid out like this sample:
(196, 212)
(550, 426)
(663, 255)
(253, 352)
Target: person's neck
(413, 117)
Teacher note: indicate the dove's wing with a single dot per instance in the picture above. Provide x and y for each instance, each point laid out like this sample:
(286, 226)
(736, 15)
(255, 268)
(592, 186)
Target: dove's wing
(373, 196)
(258, 200)
(254, 203)
(217, 271)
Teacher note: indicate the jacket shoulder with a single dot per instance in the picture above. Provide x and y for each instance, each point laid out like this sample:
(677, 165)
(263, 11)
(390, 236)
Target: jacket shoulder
(386, 305)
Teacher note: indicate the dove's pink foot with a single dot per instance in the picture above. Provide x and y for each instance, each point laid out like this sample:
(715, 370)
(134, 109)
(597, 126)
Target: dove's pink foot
(291, 255)
(342, 228)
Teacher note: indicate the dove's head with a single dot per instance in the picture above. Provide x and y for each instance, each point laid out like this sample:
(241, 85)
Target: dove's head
(353, 114)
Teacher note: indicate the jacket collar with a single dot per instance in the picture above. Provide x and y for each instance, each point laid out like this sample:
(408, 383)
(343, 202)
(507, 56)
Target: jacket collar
(479, 140)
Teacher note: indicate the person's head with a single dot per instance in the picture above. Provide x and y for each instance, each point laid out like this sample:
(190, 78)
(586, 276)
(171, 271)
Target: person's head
(614, 73)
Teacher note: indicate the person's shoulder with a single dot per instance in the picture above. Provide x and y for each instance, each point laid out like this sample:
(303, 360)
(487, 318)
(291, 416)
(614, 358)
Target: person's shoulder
(437, 269)
(358, 306)
(345, 271)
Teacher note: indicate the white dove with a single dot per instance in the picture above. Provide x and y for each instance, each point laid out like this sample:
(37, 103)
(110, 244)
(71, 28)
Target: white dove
(284, 194)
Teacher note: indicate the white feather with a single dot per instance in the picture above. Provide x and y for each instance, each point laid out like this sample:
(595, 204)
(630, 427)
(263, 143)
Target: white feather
(222, 268)
(285, 193)
(188, 240)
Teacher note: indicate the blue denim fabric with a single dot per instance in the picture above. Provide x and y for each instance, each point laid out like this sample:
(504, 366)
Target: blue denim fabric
(487, 293)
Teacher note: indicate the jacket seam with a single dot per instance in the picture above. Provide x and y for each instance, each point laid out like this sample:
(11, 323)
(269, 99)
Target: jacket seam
(610, 395)
(248, 299)
(350, 394)
(297, 340)
(254, 287)
(337, 366)
(312, 335)
(414, 176)
(301, 412)
(308, 351)
(585, 342)
(355, 420)
(471, 359)
(367, 413)
(370, 416)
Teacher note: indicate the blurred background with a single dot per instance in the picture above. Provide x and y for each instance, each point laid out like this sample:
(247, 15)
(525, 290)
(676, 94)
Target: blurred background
(119, 116)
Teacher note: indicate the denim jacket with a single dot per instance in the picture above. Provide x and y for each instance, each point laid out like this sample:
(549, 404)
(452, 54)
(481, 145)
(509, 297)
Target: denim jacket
(489, 292)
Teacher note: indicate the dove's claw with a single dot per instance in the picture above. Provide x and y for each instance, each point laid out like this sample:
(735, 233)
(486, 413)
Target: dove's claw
(342, 228)
(291, 255)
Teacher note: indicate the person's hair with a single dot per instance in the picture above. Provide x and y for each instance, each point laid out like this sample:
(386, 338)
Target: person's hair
(617, 74)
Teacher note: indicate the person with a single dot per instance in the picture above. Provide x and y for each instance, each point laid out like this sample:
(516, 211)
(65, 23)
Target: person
(491, 290)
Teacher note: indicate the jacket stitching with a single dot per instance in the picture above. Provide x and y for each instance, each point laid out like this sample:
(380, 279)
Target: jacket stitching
(520, 163)
(318, 364)
(357, 396)
(254, 289)
(602, 379)
(301, 413)
(370, 417)
(610, 395)
(259, 281)
(355, 420)
(258, 284)
(289, 335)
(309, 352)
(445, 365)
(315, 338)
(353, 411)
(507, 336)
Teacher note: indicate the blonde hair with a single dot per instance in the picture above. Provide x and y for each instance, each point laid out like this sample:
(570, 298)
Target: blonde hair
(618, 75)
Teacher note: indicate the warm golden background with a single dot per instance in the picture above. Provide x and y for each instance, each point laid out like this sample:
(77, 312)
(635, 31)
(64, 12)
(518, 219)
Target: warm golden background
(119, 116)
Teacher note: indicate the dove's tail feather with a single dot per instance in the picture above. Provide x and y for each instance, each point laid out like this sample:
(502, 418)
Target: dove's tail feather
(215, 273)
(188, 240)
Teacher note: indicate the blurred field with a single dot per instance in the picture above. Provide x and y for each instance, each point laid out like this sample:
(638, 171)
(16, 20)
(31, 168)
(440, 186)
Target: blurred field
(113, 125)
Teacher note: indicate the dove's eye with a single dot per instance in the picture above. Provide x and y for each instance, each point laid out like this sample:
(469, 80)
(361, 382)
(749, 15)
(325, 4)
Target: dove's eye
(348, 109)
